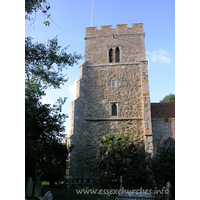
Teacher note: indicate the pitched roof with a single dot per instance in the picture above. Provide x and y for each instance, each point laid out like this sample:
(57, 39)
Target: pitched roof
(163, 110)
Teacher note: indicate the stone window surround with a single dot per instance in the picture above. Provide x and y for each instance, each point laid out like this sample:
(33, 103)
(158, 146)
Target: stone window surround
(117, 104)
(114, 48)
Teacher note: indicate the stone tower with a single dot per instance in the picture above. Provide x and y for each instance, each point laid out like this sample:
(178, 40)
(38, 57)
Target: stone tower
(112, 90)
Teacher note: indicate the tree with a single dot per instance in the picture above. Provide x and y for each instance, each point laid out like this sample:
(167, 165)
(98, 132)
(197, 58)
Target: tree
(168, 98)
(44, 130)
(54, 163)
(45, 155)
(122, 155)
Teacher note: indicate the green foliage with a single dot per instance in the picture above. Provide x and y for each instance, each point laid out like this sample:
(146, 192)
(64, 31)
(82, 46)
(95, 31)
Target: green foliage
(43, 135)
(122, 155)
(163, 166)
(36, 5)
(40, 61)
(54, 162)
(44, 125)
(168, 98)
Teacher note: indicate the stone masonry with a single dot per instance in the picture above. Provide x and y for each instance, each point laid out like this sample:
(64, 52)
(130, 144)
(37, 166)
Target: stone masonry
(109, 95)
(163, 123)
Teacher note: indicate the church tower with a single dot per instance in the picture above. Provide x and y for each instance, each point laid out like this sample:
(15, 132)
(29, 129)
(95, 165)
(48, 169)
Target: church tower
(112, 91)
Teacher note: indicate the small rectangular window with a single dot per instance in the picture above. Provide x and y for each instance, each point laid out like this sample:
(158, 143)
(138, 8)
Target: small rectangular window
(114, 84)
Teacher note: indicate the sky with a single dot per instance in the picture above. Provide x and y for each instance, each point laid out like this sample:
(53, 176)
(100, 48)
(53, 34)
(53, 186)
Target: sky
(71, 17)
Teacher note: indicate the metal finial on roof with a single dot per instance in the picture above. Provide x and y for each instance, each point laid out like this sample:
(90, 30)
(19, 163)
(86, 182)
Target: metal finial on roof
(92, 12)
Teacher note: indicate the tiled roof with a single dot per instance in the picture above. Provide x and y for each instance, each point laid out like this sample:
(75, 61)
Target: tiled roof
(163, 110)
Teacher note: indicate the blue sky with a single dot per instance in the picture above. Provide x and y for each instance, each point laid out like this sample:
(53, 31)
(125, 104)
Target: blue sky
(158, 18)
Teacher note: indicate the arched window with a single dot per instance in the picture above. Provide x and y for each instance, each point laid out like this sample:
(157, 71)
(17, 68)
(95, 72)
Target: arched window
(117, 54)
(114, 109)
(111, 55)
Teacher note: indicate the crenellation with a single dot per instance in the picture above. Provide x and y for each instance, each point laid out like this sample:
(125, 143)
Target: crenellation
(138, 27)
(106, 28)
(90, 31)
(121, 29)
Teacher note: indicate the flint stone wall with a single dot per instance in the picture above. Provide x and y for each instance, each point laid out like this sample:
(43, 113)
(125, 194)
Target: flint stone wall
(92, 112)
(162, 130)
(127, 92)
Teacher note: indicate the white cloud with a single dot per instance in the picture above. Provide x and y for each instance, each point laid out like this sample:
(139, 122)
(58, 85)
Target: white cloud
(46, 100)
(72, 90)
(160, 55)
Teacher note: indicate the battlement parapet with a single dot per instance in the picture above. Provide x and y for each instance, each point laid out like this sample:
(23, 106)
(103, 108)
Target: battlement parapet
(137, 28)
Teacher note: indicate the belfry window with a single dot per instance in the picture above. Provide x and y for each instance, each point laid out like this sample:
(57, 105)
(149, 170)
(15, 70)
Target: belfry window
(114, 54)
(117, 54)
(111, 55)
(114, 109)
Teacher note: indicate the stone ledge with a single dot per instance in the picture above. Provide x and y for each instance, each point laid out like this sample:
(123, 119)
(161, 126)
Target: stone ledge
(113, 119)
(111, 64)
(113, 35)
(161, 119)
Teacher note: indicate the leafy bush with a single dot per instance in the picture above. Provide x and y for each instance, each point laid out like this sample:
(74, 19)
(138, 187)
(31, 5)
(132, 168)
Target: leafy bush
(163, 167)
(122, 155)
